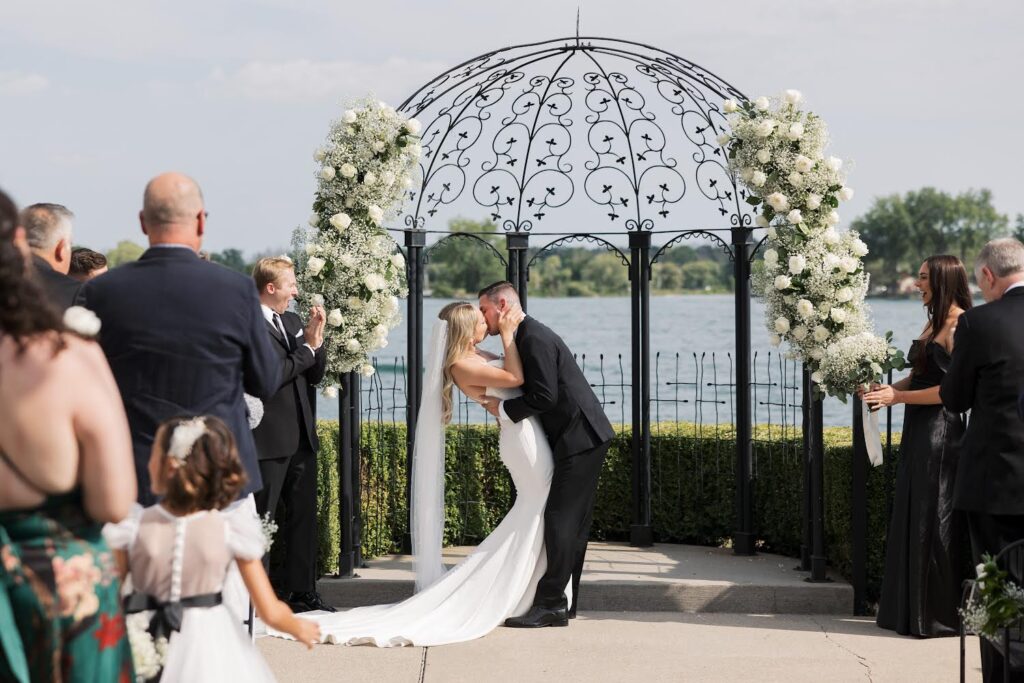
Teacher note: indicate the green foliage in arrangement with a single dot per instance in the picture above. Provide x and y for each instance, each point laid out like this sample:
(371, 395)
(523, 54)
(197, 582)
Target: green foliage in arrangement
(692, 474)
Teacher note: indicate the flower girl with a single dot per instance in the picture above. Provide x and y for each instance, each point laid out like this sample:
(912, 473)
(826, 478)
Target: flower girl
(178, 552)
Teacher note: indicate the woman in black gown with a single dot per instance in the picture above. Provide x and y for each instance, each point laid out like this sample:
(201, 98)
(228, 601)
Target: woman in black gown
(924, 558)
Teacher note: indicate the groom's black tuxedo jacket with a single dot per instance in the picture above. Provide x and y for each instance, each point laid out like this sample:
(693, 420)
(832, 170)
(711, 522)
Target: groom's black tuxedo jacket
(183, 337)
(985, 376)
(292, 409)
(556, 391)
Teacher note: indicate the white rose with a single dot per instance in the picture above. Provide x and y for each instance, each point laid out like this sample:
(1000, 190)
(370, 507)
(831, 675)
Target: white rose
(414, 151)
(379, 146)
(820, 333)
(782, 325)
(310, 249)
(792, 96)
(412, 126)
(834, 163)
(817, 377)
(832, 218)
(838, 315)
(813, 201)
(859, 248)
(729, 106)
(349, 116)
(391, 306)
(782, 282)
(795, 216)
(376, 214)
(844, 295)
(803, 164)
(370, 178)
(799, 333)
(797, 264)
(81, 321)
(315, 264)
(772, 232)
(349, 202)
(771, 256)
(397, 261)
(388, 178)
(317, 300)
(805, 308)
(761, 103)
(765, 127)
(830, 236)
(764, 156)
(830, 262)
(824, 307)
(979, 570)
(817, 354)
(314, 221)
(340, 221)
(758, 178)
(846, 194)
(777, 201)
(733, 120)
(334, 318)
(355, 303)
(327, 173)
(353, 345)
(876, 368)
(330, 392)
(760, 221)
(319, 154)
(723, 139)
(774, 339)
(367, 370)
(849, 264)
(795, 179)
(374, 282)
(796, 131)
(349, 130)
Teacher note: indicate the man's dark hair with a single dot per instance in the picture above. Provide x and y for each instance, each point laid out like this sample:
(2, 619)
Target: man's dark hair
(495, 290)
(84, 261)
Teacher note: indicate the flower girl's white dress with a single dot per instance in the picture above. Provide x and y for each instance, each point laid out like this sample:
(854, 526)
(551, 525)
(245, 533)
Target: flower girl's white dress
(172, 558)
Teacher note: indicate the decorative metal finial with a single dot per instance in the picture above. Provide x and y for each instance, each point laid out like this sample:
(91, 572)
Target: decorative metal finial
(577, 24)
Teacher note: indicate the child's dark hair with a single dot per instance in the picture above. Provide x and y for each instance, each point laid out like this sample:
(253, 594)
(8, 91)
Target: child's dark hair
(211, 475)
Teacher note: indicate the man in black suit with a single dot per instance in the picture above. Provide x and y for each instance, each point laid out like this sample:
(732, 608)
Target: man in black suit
(286, 438)
(48, 228)
(183, 336)
(985, 376)
(578, 431)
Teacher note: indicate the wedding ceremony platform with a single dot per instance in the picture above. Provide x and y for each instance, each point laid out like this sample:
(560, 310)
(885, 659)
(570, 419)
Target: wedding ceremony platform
(662, 578)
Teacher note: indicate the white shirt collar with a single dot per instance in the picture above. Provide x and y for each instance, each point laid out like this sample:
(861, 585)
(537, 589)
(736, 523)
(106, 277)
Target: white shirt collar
(268, 313)
(1015, 285)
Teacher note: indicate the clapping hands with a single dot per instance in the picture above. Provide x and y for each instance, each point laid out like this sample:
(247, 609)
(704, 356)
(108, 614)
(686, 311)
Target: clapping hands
(314, 331)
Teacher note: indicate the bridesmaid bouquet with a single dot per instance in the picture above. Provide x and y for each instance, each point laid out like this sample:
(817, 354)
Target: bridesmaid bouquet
(855, 362)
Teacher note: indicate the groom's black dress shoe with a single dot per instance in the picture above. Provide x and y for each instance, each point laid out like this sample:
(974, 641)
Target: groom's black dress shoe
(572, 612)
(538, 617)
(308, 602)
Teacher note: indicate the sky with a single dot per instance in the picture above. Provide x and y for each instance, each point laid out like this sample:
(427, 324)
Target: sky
(98, 97)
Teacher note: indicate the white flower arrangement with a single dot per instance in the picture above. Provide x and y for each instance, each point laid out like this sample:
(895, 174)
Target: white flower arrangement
(269, 528)
(81, 321)
(148, 655)
(812, 273)
(346, 262)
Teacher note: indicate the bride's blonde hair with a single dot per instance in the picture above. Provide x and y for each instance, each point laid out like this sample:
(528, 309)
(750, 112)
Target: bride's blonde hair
(462, 319)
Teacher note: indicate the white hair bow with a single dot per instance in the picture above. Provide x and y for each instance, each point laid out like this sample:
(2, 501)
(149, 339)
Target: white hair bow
(184, 437)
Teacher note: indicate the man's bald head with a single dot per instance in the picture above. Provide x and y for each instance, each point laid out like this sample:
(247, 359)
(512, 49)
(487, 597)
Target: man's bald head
(172, 210)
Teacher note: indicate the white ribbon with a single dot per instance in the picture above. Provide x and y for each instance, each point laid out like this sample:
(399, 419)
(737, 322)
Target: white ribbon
(872, 436)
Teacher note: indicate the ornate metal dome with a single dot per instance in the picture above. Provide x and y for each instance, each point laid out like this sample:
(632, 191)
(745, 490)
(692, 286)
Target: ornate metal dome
(623, 133)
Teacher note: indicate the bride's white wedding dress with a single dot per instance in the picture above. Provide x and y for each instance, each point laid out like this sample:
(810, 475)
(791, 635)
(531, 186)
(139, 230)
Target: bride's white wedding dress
(497, 580)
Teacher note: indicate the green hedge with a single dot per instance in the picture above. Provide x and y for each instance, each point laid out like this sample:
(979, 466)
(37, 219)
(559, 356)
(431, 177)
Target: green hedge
(692, 490)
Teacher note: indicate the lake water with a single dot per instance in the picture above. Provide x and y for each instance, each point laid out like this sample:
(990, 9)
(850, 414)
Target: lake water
(692, 351)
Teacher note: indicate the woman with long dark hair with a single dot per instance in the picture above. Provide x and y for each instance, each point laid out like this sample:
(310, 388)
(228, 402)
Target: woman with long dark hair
(924, 552)
(66, 467)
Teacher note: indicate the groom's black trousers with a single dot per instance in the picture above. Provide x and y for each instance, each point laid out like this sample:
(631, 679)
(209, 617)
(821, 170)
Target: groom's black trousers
(567, 518)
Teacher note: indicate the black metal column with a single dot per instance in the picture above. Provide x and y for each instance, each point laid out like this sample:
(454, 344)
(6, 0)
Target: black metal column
(744, 536)
(807, 397)
(816, 469)
(415, 240)
(517, 244)
(641, 531)
(347, 462)
(859, 510)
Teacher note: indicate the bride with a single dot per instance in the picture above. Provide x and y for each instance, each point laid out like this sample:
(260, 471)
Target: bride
(499, 578)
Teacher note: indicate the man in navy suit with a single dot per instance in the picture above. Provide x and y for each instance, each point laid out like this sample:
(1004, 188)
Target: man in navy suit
(183, 336)
(48, 228)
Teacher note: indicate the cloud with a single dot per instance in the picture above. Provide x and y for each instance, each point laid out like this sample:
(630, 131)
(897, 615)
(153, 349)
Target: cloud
(308, 80)
(15, 83)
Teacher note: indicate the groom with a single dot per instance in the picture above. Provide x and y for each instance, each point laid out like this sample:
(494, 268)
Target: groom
(557, 393)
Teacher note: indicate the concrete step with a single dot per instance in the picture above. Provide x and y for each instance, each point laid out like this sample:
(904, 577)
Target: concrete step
(617, 577)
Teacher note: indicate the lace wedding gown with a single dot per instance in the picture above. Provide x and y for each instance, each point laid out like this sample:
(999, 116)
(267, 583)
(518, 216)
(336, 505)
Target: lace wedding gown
(497, 580)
